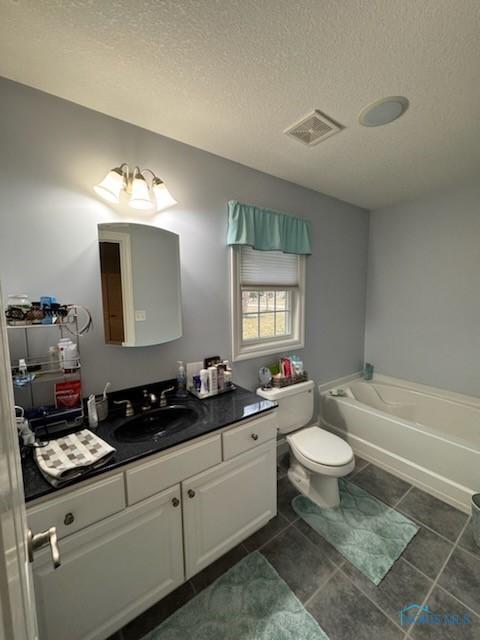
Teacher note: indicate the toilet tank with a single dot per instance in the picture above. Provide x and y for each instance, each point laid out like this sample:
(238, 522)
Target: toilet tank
(295, 404)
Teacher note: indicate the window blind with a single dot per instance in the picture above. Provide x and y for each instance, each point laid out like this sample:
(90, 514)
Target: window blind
(267, 268)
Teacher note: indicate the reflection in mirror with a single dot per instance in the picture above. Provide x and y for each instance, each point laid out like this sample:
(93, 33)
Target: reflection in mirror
(141, 291)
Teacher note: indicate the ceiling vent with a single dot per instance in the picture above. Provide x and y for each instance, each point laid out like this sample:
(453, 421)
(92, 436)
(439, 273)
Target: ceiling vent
(313, 129)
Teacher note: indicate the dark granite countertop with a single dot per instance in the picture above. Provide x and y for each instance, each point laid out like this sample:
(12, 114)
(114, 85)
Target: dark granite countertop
(214, 413)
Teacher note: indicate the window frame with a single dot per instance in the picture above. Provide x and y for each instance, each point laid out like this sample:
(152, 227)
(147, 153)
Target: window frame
(265, 346)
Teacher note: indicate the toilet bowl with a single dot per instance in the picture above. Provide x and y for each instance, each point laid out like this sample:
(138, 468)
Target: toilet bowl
(318, 458)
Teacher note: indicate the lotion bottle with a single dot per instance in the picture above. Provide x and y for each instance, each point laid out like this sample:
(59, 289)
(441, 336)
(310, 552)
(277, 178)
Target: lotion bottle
(203, 382)
(212, 380)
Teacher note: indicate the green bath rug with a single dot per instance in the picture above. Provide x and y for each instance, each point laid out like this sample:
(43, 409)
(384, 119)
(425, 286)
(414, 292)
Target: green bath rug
(248, 602)
(363, 529)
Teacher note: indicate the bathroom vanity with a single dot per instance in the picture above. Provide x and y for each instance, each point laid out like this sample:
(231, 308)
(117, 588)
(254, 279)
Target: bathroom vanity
(152, 519)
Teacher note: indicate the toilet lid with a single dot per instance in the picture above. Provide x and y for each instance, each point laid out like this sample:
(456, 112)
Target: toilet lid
(322, 447)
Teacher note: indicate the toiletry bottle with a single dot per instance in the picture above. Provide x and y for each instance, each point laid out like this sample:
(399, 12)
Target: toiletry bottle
(22, 367)
(368, 371)
(181, 380)
(212, 380)
(63, 346)
(228, 373)
(92, 412)
(220, 376)
(203, 382)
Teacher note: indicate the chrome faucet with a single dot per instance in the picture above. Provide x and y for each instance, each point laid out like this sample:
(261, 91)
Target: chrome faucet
(128, 407)
(163, 399)
(149, 399)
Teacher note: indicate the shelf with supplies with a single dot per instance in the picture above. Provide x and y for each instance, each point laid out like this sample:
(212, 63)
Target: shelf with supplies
(34, 325)
(46, 367)
(57, 365)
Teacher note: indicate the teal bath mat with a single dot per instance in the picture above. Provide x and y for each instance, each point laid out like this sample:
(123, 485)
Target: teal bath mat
(363, 529)
(249, 602)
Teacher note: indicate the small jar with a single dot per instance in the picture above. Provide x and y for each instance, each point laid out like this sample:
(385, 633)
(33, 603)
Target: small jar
(17, 309)
(20, 300)
(35, 314)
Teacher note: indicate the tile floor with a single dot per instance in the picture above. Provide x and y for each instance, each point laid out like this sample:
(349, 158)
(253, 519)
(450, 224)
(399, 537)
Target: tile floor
(440, 567)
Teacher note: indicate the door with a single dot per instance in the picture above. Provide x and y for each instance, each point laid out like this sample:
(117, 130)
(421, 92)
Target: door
(17, 611)
(224, 505)
(111, 571)
(110, 267)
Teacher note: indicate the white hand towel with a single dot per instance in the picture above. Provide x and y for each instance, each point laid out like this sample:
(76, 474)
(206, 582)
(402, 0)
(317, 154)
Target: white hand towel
(72, 456)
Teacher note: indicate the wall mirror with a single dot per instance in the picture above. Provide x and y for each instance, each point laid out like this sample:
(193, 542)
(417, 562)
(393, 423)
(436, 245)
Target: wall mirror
(141, 290)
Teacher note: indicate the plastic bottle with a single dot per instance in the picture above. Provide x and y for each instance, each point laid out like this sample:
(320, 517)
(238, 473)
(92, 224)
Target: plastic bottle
(203, 382)
(181, 380)
(212, 380)
(92, 412)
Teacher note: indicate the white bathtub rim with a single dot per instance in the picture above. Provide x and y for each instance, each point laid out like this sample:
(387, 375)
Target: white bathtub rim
(338, 382)
(448, 491)
(444, 394)
(414, 426)
(437, 392)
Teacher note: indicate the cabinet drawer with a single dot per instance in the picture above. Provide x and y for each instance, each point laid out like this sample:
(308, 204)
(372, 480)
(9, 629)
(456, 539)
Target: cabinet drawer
(249, 435)
(148, 479)
(80, 508)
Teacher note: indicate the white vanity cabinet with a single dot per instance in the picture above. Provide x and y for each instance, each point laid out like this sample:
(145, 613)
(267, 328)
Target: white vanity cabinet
(224, 505)
(132, 552)
(111, 571)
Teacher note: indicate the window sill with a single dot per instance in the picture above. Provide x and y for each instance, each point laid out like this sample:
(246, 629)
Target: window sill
(266, 349)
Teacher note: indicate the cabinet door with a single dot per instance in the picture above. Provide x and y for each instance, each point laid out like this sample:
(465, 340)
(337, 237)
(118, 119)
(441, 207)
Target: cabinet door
(223, 506)
(111, 571)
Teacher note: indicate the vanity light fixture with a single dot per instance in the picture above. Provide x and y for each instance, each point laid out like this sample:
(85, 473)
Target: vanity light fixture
(154, 196)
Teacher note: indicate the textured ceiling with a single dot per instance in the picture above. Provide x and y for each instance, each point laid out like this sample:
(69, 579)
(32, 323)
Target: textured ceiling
(229, 76)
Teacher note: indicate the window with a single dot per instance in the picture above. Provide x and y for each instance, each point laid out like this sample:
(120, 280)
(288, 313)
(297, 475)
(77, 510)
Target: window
(267, 301)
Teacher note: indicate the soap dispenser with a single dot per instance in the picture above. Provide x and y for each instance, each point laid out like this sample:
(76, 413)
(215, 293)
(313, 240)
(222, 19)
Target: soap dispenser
(181, 380)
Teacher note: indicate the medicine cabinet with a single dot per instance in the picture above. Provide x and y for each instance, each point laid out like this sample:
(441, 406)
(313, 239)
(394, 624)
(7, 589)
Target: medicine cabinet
(141, 289)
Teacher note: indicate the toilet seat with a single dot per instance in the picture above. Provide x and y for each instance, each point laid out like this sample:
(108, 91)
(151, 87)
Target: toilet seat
(321, 451)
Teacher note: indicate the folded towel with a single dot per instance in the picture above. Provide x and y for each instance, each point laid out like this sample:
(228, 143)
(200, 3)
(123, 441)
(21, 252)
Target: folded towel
(72, 456)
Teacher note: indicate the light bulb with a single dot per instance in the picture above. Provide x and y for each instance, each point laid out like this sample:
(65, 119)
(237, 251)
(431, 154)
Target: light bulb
(109, 188)
(140, 198)
(163, 197)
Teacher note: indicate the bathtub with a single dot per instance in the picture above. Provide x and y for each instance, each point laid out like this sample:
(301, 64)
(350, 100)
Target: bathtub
(427, 436)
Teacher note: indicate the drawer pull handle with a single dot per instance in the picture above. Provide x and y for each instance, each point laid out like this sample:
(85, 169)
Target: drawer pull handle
(175, 502)
(255, 436)
(191, 493)
(69, 518)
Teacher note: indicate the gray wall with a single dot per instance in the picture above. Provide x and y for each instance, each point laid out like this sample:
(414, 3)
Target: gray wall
(53, 152)
(423, 309)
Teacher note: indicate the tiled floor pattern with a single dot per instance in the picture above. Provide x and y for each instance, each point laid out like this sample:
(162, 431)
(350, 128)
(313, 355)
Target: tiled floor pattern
(439, 568)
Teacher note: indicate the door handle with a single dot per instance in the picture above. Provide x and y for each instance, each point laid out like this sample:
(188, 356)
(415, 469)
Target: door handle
(42, 539)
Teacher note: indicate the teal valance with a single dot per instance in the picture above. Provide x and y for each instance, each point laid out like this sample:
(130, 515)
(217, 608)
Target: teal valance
(267, 230)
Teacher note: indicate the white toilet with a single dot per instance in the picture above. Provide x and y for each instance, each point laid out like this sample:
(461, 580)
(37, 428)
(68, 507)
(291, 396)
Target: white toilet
(318, 458)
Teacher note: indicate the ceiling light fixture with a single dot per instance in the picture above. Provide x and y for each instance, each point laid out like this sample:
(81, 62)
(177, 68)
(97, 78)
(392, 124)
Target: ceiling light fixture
(144, 196)
(383, 111)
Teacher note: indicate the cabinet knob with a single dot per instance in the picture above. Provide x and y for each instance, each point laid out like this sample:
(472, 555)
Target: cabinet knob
(191, 493)
(69, 518)
(255, 436)
(175, 502)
